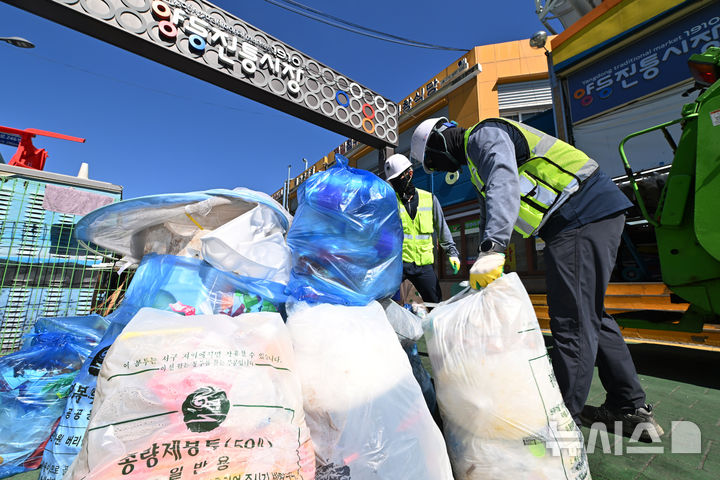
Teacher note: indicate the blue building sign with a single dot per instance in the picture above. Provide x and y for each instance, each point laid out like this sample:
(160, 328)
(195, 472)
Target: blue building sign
(650, 64)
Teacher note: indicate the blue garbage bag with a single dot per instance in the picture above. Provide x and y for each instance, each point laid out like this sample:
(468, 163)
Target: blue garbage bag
(34, 383)
(346, 238)
(187, 286)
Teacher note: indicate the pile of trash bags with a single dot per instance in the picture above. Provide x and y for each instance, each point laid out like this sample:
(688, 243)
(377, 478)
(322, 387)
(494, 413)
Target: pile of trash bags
(257, 345)
(35, 381)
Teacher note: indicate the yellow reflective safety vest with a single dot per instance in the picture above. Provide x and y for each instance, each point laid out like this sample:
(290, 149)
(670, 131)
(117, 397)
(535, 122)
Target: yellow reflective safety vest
(552, 173)
(418, 242)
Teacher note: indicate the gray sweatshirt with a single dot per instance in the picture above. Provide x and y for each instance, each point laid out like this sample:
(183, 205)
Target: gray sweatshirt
(493, 153)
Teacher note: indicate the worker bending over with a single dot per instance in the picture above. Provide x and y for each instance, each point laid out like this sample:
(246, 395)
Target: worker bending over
(543, 186)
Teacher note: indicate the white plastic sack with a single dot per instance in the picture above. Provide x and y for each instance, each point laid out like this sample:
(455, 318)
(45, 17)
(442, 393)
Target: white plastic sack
(407, 325)
(503, 414)
(366, 413)
(252, 245)
(199, 397)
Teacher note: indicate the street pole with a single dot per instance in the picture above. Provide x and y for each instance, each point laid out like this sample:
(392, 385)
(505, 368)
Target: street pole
(287, 189)
(306, 163)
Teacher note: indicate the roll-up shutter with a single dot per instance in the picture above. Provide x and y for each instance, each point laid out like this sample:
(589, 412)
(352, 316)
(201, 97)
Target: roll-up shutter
(524, 95)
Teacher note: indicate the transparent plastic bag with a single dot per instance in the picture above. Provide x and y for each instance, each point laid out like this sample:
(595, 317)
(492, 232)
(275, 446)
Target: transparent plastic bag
(88, 329)
(170, 224)
(209, 396)
(367, 415)
(187, 286)
(406, 324)
(34, 383)
(503, 414)
(252, 245)
(346, 238)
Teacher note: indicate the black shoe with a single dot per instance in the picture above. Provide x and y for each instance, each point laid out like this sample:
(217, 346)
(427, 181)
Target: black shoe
(631, 419)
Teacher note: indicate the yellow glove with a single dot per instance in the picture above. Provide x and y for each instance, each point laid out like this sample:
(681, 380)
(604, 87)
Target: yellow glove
(487, 268)
(455, 264)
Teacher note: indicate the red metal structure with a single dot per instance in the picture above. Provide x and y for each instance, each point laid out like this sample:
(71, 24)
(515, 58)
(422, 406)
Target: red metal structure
(26, 154)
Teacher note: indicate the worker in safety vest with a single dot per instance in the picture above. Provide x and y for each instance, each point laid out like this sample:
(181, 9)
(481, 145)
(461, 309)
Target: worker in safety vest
(542, 186)
(422, 221)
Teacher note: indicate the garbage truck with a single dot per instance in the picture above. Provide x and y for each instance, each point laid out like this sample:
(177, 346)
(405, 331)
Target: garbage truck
(685, 220)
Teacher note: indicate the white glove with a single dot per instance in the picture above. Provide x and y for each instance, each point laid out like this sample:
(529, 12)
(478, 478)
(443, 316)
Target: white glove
(487, 268)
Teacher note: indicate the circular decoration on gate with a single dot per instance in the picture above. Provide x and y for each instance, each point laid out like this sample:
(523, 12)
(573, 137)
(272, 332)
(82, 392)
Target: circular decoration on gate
(368, 125)
(370, 115)
(355, 90)
(391, 109)
(167, 30)
(153, 30)
(392, 136)
(277, 86)
(355, 105)
(107, 15)
(343, 94)
(312, 101)
(312, 85)
(138, 5)
(327, 107)
(160, 10)
(380, 103)
(379, 131)
(131, 20)
(342, 114)
(586, 100)
(197, 44)
(356, 120)
(391, 122)
(327, 92)
(579, 93)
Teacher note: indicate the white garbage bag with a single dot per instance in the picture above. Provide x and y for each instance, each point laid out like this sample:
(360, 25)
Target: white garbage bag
(198, 397)
(503, 414)
(407, 325)
(367, 416)
(252, 245)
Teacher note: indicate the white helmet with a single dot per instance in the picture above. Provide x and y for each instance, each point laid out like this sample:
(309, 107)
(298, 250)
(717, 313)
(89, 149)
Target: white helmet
(420, 138)
(395, 165)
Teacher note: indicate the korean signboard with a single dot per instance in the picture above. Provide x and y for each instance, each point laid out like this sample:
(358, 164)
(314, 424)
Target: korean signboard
(202, 40)
(648, 65)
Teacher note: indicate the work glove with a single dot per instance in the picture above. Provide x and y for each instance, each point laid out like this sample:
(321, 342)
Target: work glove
(487, 268)
(455, 264)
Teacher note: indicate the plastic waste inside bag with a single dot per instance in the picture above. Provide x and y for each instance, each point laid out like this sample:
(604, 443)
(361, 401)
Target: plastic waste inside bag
(171, 224)
(366, 413)
(346, 238)
(407, 325)
(252, 245)
(502, 411)
(88, 329)
(187, 286)
(208, 396)
(34, 384)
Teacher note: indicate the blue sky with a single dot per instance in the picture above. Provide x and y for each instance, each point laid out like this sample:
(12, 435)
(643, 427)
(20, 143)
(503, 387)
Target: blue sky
(156, 130)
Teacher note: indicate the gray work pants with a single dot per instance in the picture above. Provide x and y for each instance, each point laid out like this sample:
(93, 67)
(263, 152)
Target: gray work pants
(579, 263)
